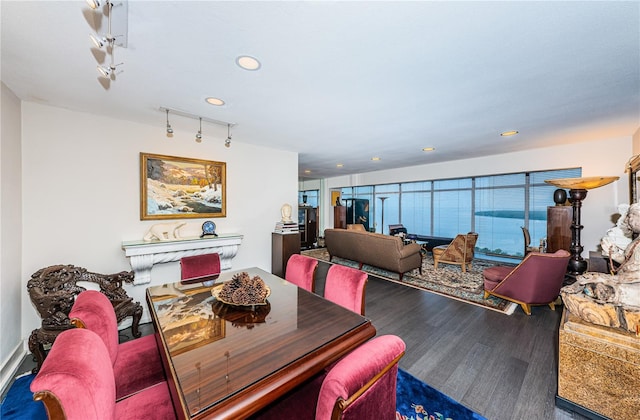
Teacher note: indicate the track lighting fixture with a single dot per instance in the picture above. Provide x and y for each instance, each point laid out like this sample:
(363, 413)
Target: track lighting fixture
(169, 129)
(200, 119)
(107, 40)
(199, 133)
(227, 142)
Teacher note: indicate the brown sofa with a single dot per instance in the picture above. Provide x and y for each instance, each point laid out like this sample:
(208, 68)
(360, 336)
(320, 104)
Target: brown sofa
(383, 251)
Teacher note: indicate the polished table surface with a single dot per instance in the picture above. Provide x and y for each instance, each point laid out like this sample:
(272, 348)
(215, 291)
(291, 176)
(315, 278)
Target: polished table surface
(228, 362)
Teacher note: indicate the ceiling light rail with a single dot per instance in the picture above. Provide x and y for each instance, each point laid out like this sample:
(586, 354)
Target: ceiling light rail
(167, 110)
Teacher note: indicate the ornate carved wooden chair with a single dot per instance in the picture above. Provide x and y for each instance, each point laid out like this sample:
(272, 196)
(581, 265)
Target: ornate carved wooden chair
(53, 290)
(459, 251)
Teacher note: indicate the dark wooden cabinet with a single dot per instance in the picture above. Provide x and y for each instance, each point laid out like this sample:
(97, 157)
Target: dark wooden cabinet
(559, 220)
(308, 226)
(283, 245)
(340, 217)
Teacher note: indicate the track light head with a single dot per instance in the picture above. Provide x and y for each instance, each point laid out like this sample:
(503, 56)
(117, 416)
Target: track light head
(99, 42)
(199, 133)
(105, 71)
(227, 142)
(169, 129)
(94, 4)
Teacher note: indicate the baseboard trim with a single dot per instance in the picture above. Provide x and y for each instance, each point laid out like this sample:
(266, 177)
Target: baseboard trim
(11, 365)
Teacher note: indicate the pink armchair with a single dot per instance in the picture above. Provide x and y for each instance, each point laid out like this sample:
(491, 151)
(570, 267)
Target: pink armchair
(136, 363)
(76, 382)
(346, 286)
(535, 281)
(362, 385)
(301, 271)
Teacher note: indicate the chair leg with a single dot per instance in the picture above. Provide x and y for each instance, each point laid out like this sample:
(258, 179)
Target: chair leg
(464, 268)
(552, 305)
(435, 263)
(486, 294)
(526, 308)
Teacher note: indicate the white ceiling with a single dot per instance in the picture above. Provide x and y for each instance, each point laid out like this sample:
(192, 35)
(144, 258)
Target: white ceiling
(344, 81)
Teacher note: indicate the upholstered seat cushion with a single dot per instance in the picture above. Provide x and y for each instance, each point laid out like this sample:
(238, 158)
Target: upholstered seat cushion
(494, 275)
(137, 366)
(152, 403)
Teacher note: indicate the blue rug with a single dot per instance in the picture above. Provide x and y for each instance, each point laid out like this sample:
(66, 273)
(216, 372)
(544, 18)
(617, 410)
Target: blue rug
(415, 401)
(19, 403)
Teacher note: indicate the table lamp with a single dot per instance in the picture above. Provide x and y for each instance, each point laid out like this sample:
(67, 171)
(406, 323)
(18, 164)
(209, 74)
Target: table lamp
(577, 193)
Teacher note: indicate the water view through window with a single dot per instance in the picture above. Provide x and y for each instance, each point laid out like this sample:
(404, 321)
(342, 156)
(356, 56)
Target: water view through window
(495, 206)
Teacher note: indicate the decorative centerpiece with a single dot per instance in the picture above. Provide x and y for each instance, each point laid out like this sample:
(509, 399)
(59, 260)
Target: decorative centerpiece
(242, 290)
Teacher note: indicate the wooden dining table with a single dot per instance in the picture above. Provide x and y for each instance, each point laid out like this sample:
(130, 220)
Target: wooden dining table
(227, 361)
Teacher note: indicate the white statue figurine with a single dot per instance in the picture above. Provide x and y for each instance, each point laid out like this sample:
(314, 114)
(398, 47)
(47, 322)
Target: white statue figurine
(285, 211)
(164, 231)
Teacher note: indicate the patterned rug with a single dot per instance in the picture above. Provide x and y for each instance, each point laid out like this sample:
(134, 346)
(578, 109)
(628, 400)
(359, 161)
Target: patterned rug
(415, 400)
(448, 280)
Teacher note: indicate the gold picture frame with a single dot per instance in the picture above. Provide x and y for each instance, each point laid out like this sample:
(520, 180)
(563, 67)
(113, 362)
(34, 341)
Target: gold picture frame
(174, 187)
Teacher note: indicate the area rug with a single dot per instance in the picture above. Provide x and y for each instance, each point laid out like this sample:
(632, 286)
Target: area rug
(416, 400)
(447, 280)
(18, 404)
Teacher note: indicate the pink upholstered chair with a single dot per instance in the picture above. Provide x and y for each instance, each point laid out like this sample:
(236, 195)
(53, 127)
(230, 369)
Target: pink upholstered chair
(346, 286)
(301, 271)
(76, 382)
(136, 364)
(362, 385)
(200, 268)
(537, 280)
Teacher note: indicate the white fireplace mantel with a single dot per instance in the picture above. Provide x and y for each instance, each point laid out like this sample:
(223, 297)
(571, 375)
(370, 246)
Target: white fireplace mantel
(144, 255)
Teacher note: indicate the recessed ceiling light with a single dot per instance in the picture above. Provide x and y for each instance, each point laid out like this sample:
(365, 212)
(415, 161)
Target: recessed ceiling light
(375, 158)
(339, 165)
(307, 171)
(248, 63)
(509, 133)
(215, 101)
(428, 149)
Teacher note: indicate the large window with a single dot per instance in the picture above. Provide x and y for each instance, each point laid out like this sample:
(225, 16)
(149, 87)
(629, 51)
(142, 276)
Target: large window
(308, 198)
(495, 206)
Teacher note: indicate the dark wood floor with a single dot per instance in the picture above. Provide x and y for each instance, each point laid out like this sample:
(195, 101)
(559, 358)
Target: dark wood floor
(500, 366)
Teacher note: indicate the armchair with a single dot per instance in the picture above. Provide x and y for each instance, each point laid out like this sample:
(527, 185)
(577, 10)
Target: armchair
(459, 251)
(537, 280)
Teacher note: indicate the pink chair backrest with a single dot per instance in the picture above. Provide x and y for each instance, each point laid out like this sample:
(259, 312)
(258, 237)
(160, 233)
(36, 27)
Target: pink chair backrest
(300, 271)
(78, 372)
(200, 267)
(537, 279)
(357, 369)
(346, 286)
(96, 312)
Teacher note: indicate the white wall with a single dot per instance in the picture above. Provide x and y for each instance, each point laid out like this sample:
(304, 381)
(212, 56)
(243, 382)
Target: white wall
(11, 288)
(81, 193)
(605, 157)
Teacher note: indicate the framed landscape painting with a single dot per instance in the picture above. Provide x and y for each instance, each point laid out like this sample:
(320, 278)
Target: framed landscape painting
(177, 188)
